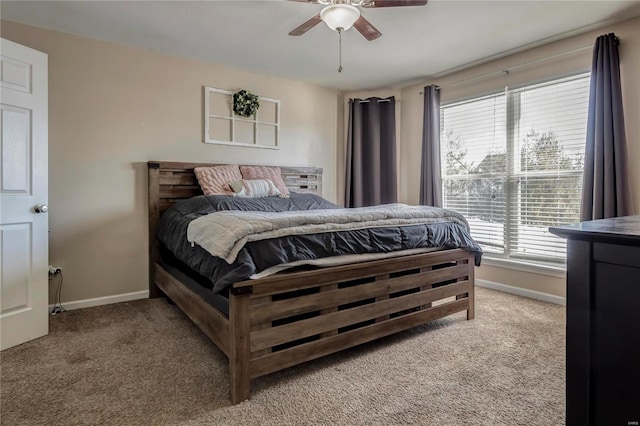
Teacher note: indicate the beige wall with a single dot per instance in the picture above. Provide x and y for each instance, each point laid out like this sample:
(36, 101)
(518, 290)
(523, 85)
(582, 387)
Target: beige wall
(111, 109)
(629, 33)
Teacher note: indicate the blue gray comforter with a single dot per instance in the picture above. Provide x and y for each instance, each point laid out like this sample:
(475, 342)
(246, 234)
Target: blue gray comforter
(257, 256)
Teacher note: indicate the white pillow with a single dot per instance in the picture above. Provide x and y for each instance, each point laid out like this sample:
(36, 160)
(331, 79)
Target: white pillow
(266, 172)
(254, 188)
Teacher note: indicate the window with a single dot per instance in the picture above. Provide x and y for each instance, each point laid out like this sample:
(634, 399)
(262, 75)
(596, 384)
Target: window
(512, 164)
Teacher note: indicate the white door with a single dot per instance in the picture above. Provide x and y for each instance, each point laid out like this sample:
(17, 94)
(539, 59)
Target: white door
(24, 239)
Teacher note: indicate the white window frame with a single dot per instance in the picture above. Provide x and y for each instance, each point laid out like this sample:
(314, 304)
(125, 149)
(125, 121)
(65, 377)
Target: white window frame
(533, 264)
(233, 118)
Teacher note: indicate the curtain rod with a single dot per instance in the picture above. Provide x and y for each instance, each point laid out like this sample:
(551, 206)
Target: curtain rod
(515, 67)
(366, 101)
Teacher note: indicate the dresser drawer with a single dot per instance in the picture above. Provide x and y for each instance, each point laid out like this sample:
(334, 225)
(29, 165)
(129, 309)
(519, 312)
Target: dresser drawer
(617, 254)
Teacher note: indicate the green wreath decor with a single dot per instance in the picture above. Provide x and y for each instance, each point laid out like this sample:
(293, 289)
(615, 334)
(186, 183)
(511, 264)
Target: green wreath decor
(245, 103)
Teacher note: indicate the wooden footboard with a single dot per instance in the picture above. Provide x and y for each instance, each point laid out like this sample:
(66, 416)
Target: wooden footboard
(284, 320)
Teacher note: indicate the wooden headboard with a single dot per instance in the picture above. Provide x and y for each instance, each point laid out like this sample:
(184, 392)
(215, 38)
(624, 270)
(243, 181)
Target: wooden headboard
(170, 182)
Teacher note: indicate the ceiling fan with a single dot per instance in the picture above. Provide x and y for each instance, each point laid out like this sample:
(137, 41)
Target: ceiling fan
(340, 15)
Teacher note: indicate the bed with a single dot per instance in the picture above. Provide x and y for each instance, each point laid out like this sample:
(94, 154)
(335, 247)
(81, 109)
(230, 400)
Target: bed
(290, 317)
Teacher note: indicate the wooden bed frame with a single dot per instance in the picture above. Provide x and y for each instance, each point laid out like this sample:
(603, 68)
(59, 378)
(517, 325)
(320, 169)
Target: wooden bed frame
(292, 317)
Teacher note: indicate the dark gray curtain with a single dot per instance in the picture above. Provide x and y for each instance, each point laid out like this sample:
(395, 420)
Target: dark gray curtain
(430, 175)
(371, 176)
(605, 188)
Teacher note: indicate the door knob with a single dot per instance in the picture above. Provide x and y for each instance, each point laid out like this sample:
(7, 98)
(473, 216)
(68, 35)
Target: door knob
(41, 208)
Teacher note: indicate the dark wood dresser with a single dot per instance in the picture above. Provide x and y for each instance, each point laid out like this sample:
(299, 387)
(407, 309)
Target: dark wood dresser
(603, 321)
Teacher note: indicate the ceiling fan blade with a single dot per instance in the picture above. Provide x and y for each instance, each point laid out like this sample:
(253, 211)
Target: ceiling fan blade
(306, 26)
(397, 3)
(367, 29)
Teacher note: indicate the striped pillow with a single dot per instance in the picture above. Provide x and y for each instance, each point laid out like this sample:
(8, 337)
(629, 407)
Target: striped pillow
(215, 180)
(274, 174)
(255, 188)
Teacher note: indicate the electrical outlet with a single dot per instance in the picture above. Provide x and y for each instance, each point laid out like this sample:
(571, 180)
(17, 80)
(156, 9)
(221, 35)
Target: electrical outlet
(54, 269)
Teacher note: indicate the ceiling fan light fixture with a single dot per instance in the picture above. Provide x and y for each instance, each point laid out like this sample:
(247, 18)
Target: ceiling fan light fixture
(340, 16)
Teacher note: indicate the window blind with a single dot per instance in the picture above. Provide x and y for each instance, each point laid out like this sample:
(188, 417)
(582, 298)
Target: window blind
(512, 164)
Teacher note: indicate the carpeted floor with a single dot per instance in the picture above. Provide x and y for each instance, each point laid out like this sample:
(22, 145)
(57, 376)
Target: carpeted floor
(145, 363)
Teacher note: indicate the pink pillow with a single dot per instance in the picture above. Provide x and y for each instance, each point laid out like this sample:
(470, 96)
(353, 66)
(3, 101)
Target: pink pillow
(274, 174)
(215, 180)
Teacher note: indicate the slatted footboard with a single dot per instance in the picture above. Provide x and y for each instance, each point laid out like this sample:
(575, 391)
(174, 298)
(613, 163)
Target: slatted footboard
(278, 322)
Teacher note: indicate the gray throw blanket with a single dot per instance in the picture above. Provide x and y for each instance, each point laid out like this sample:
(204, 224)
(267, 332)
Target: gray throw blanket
(224, 233)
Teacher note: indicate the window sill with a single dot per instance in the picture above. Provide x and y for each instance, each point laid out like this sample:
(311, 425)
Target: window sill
(554, 270)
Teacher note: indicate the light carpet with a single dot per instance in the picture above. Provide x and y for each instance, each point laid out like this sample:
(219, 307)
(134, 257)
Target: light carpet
(145, 363)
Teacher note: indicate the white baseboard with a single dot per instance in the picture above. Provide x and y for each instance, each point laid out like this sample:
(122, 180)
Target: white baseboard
(144, 294)
(106, 300)
(533, 294)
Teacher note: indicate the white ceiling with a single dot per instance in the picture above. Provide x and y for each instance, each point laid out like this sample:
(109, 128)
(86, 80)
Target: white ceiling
(417, 42)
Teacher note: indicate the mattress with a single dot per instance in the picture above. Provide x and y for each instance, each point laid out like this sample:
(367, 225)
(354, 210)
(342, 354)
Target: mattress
(198, 285)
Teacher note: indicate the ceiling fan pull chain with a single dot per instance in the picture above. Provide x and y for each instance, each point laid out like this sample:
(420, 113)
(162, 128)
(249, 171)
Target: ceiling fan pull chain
(340, 49)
